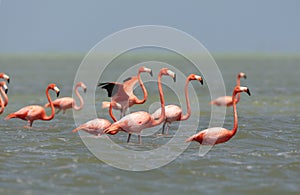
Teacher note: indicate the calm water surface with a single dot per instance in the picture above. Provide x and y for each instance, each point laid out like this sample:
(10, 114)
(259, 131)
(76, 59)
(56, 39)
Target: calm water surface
(263, 157)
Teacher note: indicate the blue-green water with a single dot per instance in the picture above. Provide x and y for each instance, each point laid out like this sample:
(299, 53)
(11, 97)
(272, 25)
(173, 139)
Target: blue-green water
(262, 158)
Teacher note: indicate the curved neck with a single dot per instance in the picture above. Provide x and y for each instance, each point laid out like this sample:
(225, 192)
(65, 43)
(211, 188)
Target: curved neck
(76, 107)
(5, 102)
(188, 114)
(111, 112)
(235, 125)
(238, 83)
(1, 105)
(162, 102)
(45, 117)
(138, 101)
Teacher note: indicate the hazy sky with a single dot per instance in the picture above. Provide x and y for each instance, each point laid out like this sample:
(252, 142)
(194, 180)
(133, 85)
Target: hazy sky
(77, 25)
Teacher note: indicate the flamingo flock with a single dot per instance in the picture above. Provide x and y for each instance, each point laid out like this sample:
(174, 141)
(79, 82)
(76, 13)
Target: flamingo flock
(121, 98)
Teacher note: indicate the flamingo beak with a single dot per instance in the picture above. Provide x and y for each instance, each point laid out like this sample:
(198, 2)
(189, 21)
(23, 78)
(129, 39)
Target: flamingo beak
(6, 90)
(174, 78)
(8, 80)
(248, 91)
(201, 81)
(151, 73)
(245, 76)
(84, 90)
(57, 93)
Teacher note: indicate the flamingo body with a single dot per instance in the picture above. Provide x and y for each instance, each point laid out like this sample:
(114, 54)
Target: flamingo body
(35, 112)
(66, 103)
(217, 135)
(95, 126)
(137, 121)
(227, 100)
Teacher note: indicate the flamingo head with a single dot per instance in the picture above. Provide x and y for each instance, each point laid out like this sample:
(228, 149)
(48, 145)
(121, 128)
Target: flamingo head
(4, 76)
(196, 77)
(3, 84)
(55, 88)
(166, 71)
(145, 69)
(239, 89)
(242, 75)
(82, 85)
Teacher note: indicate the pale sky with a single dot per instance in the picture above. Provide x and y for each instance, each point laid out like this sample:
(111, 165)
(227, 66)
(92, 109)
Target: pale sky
(221, 26)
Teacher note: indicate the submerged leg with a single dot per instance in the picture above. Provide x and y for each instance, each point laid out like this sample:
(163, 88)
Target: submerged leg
(163, 128)
(140, 139)
(58, 111)
(167, 130)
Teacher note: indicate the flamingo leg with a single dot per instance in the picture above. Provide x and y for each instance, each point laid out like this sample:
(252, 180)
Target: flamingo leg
(140, 139)
(167, 130)
(58, 111)
(163, 128)
(128, 139)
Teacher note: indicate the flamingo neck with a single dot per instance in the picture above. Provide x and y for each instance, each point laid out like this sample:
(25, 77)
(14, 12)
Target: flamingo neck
(5, 97)
(1, 105)
(45, 117)
(238, 83)
(138, 101)
(162, 102)
(235, 123)
(76, 107)
(188, 114)
(111, 112)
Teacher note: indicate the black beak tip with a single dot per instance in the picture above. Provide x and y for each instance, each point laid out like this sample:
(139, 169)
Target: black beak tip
(84, 90)
(8, 80)
(57, 94)
(248, 91)
(174, 78)
(245, 77)
(6, 90)
(201, 82)
(151, 73)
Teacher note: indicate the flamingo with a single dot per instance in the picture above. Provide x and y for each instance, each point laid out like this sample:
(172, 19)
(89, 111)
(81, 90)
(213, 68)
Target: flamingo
(122, 95)
(3, 92)
(137, 121)
(217, 135)
(227, 100)
(65, 103)
(174, 112)
(35, 112)
(4, 76)
(95, 126)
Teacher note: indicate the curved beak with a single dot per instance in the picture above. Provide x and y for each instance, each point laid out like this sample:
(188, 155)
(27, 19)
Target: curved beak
(248, 91)
(8, 80)
(6, 90)
(174, 78)
(57, 93)
(84, 90)
(245, 76)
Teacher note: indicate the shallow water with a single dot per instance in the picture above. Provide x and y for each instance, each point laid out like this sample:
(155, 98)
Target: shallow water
(262, 158)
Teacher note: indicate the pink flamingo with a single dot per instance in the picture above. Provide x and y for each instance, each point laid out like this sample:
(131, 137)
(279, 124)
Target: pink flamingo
(3, 92)
(35, 112)
(217, 135)
(65, 103)
(174, 112)
(122, 95)
(137, 121)
(4, 76)
(227, 100)
(95, 126)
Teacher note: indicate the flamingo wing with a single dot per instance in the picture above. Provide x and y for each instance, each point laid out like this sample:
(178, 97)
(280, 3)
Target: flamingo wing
(129, 84)
(111, 87)
(173, 113)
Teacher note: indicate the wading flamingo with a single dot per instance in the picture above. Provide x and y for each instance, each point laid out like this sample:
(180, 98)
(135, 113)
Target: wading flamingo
(4, 76)
(3, 93)
(94, 127)
(2, 85)
(65, 103)
(122, 95)
(137, 121)
(217, 135)
(174, 112)
(227, 100)
(35, 112)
